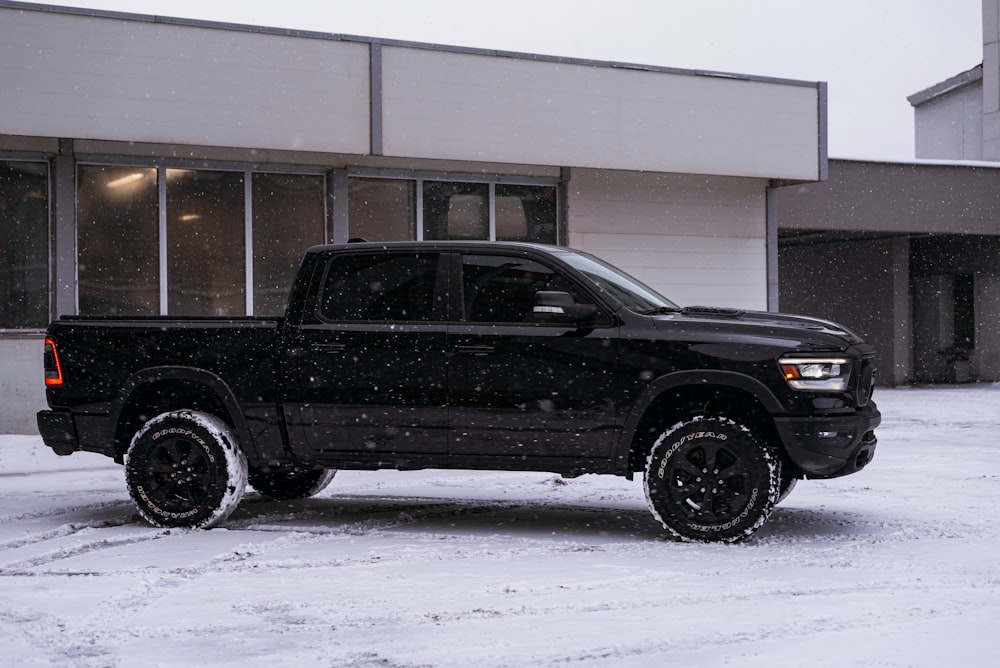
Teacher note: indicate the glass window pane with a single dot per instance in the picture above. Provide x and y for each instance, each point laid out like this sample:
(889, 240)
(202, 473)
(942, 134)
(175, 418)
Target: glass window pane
(500, 288)
(526, 213)
(206, 255)
(24, 245)
(397, 287)
(382, 209)
(288, 217)
(118, 241)
(456, 210)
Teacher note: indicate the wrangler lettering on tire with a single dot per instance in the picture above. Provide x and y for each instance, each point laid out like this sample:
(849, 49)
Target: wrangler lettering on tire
(184, 469)
(711, 479)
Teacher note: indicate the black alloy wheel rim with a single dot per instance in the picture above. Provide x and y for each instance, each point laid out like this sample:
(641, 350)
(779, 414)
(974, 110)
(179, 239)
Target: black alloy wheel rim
(709, 483)
(178, 475)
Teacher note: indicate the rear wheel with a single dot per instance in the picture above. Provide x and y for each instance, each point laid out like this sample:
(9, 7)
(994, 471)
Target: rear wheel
(184, 469)
(295, 483)
(711, 479)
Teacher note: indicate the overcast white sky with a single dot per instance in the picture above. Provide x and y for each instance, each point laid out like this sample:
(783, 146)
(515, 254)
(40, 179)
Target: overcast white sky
(872, 53)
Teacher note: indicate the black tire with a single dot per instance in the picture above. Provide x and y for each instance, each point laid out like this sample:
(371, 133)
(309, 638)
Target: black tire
(296, 483)
(711, 479)
(184, 469)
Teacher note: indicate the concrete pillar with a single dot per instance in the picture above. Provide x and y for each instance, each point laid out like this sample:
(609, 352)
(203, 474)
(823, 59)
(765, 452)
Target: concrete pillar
(991, 80)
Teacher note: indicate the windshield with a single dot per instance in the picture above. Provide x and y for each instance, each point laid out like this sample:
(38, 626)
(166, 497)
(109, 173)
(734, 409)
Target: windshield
(616, 283)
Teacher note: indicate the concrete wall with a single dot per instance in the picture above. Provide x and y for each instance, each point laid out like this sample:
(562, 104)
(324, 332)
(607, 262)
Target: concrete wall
(861, 284)
(696, 239)
(22, 387)
(986, 357)
(991, 80)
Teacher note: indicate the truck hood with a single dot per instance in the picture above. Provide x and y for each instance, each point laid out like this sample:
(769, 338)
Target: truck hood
(778, 325)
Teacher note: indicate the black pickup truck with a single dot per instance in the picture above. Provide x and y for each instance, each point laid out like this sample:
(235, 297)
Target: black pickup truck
(466, 355)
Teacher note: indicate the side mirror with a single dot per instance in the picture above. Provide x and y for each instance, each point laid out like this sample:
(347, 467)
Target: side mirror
(559, 308)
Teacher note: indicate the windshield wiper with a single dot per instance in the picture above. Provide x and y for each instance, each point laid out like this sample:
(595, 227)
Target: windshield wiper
(662, 310)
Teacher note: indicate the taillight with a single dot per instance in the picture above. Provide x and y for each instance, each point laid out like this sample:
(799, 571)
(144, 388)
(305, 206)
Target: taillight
(53, 369)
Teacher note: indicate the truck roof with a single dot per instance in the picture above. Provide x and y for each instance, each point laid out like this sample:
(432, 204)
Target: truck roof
(444, 245)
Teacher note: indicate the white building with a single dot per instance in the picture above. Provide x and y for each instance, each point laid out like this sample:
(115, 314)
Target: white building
(156, 166)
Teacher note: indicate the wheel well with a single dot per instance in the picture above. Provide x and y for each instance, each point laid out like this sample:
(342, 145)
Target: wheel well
(152, 399)
(684, 403)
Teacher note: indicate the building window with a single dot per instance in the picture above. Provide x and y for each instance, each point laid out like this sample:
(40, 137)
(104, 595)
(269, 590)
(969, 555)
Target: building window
(117, 241)
(174, 241)
(389, 209)
(456, 210)
(24, 245)
(526, 213)
(206, 243)
(382, 209)
(288, 217)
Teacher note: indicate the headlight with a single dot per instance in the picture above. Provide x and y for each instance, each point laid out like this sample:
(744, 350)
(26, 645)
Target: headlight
(827, 374)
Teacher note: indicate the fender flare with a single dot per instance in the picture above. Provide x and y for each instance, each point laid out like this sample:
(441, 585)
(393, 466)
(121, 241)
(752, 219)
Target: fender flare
(678, 379)
(211, 381)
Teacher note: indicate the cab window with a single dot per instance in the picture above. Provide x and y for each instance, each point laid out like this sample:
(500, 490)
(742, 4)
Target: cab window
(395, 287)
(501, 288)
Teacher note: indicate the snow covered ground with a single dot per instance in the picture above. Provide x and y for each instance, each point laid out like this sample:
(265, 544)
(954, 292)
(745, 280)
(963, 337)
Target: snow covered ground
(898, 565)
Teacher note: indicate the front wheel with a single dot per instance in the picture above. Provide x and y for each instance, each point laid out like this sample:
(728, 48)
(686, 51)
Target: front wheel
(184, 469)
(711, 479)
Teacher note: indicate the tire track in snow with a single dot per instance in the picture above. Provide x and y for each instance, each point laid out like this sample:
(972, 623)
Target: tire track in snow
(28, 565)
(799, 631)
(124, 505)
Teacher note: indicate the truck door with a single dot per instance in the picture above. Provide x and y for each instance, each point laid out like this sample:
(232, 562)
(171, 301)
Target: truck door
(521, 387)
(365, 369)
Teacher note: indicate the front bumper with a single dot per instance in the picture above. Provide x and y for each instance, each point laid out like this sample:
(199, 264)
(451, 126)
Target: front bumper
(830, 446)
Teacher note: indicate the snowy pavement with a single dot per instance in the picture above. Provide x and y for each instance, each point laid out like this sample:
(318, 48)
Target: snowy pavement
(898, 565)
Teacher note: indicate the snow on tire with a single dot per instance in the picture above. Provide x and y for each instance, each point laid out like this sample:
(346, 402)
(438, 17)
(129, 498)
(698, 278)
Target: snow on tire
(185, 469)
(711, 479)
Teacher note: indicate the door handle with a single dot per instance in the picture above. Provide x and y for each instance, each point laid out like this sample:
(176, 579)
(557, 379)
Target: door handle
(475, 350)
(328, 347)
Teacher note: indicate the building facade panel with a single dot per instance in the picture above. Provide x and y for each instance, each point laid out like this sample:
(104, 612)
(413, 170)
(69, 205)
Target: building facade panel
(22, 387)
(688, 270)
(696, 239)
(951, 127)
(447, 105)
(99, 77)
